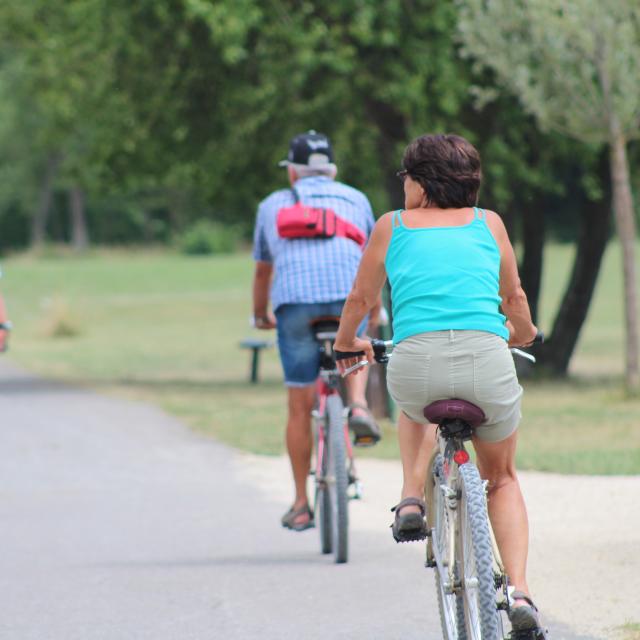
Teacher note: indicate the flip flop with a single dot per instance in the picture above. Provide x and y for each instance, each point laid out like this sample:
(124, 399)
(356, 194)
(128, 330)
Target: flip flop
(411, 526)
(288, 520)
(365, 430)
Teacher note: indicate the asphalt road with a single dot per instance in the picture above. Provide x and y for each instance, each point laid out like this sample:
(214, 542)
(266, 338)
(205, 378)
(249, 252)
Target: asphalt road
(117, 522)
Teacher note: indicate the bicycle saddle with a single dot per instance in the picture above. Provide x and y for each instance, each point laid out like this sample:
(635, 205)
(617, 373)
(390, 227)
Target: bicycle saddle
(452, 409)
(325, 325)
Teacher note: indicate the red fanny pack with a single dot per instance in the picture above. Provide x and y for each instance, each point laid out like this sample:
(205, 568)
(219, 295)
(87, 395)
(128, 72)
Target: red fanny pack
(301, 221)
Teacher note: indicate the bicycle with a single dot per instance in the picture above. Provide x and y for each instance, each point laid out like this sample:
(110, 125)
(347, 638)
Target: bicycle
(5, 325)
(471, 582)
(334, 471)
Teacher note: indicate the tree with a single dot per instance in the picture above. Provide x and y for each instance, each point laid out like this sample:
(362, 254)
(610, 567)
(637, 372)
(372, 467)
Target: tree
(575, 67)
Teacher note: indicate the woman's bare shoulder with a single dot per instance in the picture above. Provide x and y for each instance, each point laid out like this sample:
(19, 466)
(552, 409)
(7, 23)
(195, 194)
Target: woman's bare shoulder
(384, 222)
(495, 223)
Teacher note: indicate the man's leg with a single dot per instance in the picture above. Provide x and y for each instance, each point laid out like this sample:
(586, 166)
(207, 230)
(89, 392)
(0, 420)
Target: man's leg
(416, 443)
(361, 422)
(357, 387)
(300, 443)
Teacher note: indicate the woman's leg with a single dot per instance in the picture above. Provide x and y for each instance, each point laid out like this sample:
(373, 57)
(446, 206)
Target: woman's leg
(507, 511)
(416, 442)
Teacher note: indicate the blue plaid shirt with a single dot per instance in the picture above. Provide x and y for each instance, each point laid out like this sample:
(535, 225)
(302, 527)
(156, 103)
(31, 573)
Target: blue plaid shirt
(308, 270)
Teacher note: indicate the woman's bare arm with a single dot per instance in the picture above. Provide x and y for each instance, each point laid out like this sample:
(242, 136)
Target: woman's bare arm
(514, 299)
(365, 292)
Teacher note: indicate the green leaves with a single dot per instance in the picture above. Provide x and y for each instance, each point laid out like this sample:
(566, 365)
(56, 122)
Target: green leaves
(558, 57)
(155, 98)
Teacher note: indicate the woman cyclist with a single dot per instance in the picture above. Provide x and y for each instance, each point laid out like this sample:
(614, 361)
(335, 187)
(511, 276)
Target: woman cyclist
(451, 267)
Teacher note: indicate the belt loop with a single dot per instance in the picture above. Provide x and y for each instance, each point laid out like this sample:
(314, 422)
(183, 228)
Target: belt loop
(451, 335)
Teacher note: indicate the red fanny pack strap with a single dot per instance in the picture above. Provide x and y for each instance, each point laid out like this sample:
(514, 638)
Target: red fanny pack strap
(345, 229)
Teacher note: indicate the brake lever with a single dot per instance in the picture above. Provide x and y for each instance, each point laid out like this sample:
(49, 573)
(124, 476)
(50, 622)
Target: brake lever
(523, 354)
(355, 367)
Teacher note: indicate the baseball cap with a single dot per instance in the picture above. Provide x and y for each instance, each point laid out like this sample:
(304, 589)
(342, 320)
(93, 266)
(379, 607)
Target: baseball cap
(310, 149)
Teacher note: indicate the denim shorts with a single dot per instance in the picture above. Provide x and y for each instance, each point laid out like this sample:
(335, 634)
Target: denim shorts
(299, 350)
(470, 365)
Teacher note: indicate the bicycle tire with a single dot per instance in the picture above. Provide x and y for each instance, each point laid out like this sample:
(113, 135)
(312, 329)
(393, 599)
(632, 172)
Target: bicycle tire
(323, 499)
(479, 588)
(450, 605)
(339, 479)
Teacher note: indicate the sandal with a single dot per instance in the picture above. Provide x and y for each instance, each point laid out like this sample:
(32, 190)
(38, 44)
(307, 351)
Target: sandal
(365, 430)
(525, 624)
(288, 520)
(411, 526)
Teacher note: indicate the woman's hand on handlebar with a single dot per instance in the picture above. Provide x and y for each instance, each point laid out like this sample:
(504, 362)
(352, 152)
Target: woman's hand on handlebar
(357, 344)
(520, 339)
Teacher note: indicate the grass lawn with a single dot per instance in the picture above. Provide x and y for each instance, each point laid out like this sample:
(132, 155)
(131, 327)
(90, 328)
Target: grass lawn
(166, 328)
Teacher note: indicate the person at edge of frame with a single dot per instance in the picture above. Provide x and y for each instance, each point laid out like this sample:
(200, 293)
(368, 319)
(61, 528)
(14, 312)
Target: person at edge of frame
(451, 268)
(306, 278)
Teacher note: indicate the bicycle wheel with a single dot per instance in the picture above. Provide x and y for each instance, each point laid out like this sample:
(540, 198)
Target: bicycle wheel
(338, 478)
(479, 589)
(450, 605)
(323, 498)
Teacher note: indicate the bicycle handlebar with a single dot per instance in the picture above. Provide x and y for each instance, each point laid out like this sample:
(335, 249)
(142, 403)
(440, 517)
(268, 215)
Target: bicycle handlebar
(381, 356)
(379, 351)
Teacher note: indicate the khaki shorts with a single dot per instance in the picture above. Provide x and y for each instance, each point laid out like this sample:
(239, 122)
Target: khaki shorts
(470, 365)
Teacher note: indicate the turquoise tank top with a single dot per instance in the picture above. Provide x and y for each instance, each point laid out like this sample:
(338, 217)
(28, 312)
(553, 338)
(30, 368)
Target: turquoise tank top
(444, 278)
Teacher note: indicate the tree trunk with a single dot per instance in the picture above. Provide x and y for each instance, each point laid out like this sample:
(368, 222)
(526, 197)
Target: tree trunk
(625, 223)
(533, 235)
(625, 226)
(391, 128)
(79, 233)
(41, 213)
(555, 354)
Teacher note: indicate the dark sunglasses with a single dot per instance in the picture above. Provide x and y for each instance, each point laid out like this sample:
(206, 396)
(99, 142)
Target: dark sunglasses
(402, 174)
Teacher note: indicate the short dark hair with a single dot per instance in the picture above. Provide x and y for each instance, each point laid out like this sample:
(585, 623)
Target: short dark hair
(447, 167)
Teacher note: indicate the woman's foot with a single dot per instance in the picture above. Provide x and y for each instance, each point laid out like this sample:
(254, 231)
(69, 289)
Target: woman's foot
(410, 525)
(523, 616)
(298, 518)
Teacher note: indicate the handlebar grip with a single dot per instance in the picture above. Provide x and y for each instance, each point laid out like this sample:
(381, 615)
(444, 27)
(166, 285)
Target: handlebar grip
(345, 355)
(380, 351)
(539, 339)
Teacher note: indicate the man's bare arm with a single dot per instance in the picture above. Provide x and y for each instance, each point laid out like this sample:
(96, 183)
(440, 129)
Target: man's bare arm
(263, 318)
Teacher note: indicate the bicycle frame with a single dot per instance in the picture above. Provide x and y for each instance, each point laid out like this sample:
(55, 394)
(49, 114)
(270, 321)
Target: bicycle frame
(326, 386)
(452, 449)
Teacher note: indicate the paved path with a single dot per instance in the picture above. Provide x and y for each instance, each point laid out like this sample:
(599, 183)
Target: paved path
(117, 522)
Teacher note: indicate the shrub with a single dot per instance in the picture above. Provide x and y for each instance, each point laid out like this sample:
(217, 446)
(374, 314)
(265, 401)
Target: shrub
(204, 237)
(59, 321)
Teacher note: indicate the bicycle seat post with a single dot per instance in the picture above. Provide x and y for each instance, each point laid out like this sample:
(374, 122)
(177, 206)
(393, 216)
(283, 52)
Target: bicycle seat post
(328, 369)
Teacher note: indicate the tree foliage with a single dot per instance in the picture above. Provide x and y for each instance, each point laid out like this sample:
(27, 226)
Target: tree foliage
(140, 119)
(174, 109)
(574, 66)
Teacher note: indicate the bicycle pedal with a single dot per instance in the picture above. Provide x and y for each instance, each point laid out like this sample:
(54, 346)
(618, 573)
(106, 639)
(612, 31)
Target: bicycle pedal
(416, 536)
(365, 441)
(357, 488)
(529, 634)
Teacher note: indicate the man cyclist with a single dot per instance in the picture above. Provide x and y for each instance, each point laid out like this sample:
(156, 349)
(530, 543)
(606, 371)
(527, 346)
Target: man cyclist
(305, 278)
